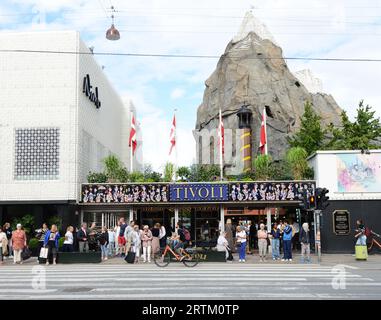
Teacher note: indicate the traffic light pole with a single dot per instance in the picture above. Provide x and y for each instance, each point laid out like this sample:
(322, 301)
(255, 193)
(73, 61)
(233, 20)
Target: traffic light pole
(317, 214)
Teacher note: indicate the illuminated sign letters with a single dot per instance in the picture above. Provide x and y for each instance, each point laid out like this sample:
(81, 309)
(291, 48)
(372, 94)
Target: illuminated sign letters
(92, 95)
(198, 192)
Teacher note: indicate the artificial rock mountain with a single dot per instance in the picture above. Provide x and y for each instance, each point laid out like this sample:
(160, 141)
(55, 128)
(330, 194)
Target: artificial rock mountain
(245, 75)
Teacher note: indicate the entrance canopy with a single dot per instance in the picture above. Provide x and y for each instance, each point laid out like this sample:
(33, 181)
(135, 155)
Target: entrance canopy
(167, 194)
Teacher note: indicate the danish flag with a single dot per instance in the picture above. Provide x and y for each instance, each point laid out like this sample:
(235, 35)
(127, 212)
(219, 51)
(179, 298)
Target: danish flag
(172, 135)
(132, 141)
(263, 134)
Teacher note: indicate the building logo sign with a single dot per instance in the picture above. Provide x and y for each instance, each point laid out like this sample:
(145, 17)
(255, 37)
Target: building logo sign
(92, 95)
(200, 192)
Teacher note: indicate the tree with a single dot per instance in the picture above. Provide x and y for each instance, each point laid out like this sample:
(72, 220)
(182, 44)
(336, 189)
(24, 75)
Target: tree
(204, 172)
(136, 176)
(310, 135)
(262, 167)
(112, 167)
(297, 160)
(96, 177)
(183, 173)
(362, 134)
(150, 175)
(169, 171)
(27, 222)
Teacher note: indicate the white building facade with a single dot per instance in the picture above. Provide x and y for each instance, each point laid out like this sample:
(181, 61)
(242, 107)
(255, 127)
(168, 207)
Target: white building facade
(59, 117)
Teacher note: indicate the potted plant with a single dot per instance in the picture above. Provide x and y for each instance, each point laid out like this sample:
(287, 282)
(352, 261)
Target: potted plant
(33, 246)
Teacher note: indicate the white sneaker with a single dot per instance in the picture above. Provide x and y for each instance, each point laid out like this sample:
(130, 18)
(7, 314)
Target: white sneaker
(240, 260)
(289, 259)
(243, 260)
(106, 258)
(283, 260)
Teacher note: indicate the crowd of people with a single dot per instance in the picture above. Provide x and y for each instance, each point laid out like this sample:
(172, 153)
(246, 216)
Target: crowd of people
(282, 236)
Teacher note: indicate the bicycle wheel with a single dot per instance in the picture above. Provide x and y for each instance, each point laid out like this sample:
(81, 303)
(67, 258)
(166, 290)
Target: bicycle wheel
(190, 258)
(162, 260)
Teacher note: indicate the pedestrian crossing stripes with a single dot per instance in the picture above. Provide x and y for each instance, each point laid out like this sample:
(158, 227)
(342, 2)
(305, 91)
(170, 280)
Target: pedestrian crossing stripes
(206, 281)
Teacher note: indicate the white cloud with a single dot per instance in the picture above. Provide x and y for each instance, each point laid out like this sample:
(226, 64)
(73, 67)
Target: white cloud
(177, 93)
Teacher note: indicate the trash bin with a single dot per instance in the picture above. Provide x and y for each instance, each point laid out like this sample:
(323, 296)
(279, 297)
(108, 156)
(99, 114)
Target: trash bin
(361, 252)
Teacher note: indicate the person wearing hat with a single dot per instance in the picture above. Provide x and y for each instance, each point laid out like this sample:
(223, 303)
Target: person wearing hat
(19, 243)
(146, 238)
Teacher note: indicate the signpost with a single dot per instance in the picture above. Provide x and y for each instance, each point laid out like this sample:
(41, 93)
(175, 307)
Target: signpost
(317, 214)
(341, 222)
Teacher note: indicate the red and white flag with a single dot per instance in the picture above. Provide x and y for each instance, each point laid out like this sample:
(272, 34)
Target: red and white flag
(172, 135)
(263, 134)
(132, 140)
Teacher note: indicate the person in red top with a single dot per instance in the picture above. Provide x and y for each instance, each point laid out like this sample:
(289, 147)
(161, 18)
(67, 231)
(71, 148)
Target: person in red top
(19, 243)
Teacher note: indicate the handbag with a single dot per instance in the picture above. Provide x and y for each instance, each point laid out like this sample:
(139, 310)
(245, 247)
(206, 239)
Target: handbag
(44, 253)
(130, 258)
(26, 254)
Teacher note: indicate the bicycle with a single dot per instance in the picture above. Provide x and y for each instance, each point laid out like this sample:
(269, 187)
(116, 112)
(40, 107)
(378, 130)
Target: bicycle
(374, 242)
(163, 258)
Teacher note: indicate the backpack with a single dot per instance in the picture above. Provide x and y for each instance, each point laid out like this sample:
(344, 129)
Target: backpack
(368, 232)
(187, 234)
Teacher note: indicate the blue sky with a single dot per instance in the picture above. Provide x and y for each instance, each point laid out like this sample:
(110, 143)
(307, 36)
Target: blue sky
(344, 29)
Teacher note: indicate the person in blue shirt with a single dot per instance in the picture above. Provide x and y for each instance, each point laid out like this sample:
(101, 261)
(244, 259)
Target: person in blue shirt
(275, 242)
(287, 238)
(51, 242)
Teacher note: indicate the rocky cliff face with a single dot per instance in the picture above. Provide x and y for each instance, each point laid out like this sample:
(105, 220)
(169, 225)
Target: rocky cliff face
(245, 75)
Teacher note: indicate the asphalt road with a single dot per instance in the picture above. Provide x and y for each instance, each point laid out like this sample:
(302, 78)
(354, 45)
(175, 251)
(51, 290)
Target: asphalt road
(206, 281)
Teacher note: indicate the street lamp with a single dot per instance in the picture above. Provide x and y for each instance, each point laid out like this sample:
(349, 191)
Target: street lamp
(112, 33)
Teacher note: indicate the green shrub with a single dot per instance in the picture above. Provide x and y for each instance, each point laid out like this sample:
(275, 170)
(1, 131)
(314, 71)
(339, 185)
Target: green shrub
(33, 243)
(61, 242)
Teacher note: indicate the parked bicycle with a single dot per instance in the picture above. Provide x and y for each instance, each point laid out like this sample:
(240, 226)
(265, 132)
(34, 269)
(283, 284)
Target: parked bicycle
(187, 256)
(374, 243)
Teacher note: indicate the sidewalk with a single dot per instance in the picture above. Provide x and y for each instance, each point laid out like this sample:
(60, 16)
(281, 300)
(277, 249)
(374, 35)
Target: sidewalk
(373, 262)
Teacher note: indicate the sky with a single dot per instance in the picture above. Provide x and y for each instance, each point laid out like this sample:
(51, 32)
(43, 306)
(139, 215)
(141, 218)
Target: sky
(158, 86)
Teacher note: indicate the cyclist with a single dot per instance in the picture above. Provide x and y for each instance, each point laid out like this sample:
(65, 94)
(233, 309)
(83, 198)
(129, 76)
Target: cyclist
(181, 239)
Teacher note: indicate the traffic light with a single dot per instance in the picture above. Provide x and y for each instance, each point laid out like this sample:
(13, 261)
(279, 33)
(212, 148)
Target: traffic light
(312, 202)
(322, 198)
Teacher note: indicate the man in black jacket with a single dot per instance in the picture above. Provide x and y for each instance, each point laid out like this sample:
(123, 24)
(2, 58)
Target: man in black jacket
(82, 236)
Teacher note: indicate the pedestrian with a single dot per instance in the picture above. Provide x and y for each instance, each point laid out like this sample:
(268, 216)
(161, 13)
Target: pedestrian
(262, 242)
(111, 241)
(92, 239)
(156, 238)
(146, 237)
(8, 231)
(121, 238)
(241, 243)
(136, 242)
(68, 245)
(18, 243)
(163, 237)
(117, 231)
(304, 238)
(127, 235)
(82, 236)
(51, 242)
(223, 246)
(275, 242)
(360, 233)
(104, 241)
(287, 237)
(229, 229)
(40, 235)
(3, 244)
(295, 235)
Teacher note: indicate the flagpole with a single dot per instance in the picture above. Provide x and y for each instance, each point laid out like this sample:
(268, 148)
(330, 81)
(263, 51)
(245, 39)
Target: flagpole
(131, 146)
(220, 138)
